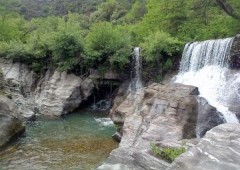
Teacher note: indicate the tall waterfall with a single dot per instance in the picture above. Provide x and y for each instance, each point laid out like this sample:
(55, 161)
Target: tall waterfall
(136, 83)
(206, 66)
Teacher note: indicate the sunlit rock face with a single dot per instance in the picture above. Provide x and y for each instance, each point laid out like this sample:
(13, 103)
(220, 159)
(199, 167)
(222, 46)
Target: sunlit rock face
(218, 150)
(54, 93)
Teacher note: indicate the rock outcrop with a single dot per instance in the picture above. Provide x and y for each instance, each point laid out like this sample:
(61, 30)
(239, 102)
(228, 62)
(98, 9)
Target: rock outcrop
(53, 94)
(10, 121)
(218, 150)
(164, 114)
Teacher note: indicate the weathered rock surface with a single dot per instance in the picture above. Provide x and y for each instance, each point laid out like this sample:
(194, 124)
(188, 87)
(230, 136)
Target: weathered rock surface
(59, 93)
(218, 150)
(54, 94)
(164, 114)
(10, 122)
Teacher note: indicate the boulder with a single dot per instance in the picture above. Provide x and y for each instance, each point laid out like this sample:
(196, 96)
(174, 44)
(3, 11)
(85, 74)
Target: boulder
(10, 121)
(219, 149)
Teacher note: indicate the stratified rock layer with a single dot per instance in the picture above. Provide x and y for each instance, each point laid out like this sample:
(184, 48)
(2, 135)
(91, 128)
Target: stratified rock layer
(218, 150)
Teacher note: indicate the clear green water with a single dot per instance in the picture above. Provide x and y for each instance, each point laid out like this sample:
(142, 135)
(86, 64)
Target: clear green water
(78, 141)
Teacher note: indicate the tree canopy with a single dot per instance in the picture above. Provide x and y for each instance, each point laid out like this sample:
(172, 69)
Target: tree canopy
(69, 34)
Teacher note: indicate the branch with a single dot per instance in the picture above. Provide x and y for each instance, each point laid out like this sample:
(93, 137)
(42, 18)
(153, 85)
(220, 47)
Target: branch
(228, 9)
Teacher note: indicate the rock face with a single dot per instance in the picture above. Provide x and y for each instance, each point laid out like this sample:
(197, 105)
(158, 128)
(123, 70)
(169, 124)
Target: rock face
(208, 117)
(10, 122)
(235, 53)
(53, 94)
(218, 150)
(59, 93)
(164, 114)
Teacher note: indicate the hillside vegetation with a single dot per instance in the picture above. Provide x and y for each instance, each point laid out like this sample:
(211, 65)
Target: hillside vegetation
(77, 35)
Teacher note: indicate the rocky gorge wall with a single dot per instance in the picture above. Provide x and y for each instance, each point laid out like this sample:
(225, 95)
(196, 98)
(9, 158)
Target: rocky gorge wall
(53, 94)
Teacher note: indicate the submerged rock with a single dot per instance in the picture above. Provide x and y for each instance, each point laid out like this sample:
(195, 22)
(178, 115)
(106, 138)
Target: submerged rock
(218, 150)
(10, 121)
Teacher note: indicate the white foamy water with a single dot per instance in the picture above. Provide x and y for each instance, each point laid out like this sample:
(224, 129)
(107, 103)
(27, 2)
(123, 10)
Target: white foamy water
(205, 65)
(136, 84)
(104, 121)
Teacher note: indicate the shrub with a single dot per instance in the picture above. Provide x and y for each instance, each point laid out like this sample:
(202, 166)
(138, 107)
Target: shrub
(105, 43)
(168, 154)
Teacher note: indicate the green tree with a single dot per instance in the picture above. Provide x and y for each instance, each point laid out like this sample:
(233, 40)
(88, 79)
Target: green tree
(105, 43)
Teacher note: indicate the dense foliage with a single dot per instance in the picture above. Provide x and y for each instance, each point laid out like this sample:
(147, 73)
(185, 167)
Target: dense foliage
(72, 34)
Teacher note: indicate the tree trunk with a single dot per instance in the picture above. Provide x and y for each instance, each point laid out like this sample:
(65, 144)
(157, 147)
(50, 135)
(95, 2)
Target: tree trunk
(228, 9)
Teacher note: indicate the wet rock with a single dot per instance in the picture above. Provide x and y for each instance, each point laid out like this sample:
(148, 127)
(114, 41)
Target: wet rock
(235, 53)
(218, 150)
(208, 117)
(117, 136)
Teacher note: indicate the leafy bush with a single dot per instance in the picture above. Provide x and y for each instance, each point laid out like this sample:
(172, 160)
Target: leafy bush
(169, 154)
(105, 43)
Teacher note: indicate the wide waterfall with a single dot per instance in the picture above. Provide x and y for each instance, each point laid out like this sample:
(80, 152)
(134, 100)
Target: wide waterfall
(206, 66)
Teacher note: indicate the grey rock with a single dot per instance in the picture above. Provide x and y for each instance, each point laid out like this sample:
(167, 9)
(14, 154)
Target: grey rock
(53, 94)
(10, 122)
(159, 113)
(218, 150)
(208, 118)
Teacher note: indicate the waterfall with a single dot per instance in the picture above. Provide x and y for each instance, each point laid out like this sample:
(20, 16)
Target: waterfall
(136, 84)
(206, 66)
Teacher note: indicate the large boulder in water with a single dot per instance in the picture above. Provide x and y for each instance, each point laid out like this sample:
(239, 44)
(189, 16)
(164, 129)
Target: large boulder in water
(10, 122)
(218, 150)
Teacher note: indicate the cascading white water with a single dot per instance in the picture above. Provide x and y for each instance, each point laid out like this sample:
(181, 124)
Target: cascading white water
(136, 83)
(205, 65)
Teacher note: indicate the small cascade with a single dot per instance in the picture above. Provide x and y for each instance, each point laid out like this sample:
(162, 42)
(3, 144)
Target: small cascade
(135, 89)
(136, 84)
(206, 66)
(102, 105)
